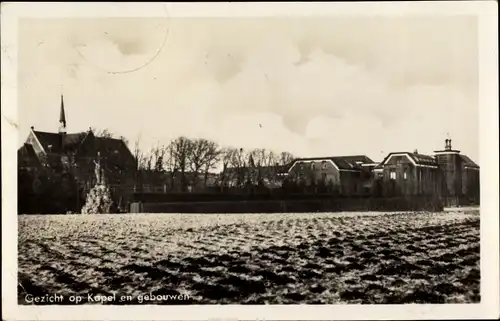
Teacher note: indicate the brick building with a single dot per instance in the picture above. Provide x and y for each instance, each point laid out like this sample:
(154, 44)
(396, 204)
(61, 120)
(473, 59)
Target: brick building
(404, 173)
(447, 174)
(460, 176)
(342, 175)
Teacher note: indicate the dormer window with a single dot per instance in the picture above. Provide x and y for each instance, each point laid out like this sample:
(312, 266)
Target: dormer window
(323, 166)
(313, 166)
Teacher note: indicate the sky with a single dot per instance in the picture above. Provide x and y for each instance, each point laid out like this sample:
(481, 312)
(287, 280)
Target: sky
(310, 86)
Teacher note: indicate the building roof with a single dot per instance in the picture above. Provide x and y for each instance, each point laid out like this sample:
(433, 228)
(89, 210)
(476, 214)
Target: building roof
(357, 158)
(108, 147)
(73, 141)
(468, 162)
(417, 159)
(341, 162)
(422, 159)
(51, 142)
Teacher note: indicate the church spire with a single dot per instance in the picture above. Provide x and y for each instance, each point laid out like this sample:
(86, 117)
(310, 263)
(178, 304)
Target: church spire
(62, 117)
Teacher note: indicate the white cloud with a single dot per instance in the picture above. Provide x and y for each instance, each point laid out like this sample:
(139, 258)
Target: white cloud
(326, 87)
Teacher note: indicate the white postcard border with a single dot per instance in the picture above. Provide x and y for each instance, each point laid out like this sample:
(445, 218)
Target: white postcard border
(488, 102)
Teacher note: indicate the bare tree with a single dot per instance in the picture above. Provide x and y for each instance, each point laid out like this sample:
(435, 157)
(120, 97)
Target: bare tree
(266, 164)
(203, 157)
(150, 168)
(225, 158)
(196, 158)
(180, 149)
(158, 158)
(271, 163)
(104, 133)
(171, 165)
(236, 165)
(139, 158)
(282, 161)
(257, 162)
(155, 167)
(212, 157)
(285, 158)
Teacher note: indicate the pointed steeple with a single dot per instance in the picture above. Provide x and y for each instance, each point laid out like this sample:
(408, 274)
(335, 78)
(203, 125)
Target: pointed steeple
(62, 117)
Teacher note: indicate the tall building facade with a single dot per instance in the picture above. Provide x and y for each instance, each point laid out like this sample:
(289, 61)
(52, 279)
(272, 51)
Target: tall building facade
(460, 176)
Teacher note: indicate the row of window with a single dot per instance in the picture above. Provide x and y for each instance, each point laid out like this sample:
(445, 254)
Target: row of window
(313, 165)
(392, 174)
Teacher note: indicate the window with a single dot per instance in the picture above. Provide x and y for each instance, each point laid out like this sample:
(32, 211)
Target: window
(313, 166)
(404, 175)
(323, 166)
(393, 174)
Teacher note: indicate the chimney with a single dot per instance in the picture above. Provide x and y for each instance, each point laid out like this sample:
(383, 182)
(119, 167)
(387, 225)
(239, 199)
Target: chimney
(415, 151)
(32, 127)
(447, 145)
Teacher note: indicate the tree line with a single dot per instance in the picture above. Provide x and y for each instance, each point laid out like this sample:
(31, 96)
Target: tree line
(186, 162)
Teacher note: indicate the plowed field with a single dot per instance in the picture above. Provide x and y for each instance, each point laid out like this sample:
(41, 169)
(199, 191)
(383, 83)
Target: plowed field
(254, 258)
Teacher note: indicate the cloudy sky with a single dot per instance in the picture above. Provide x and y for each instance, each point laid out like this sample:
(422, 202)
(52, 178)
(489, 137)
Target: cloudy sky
(313, 87)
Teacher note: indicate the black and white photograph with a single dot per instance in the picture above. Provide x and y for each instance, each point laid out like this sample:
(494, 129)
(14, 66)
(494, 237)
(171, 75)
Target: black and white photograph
(225, 159)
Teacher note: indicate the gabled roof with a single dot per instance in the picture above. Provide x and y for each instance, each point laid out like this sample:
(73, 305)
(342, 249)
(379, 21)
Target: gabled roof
(53, 142)
(416, 159)
(357, 158)
(340, 162)
(423, 159)
(351, 162)
(468, 162)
